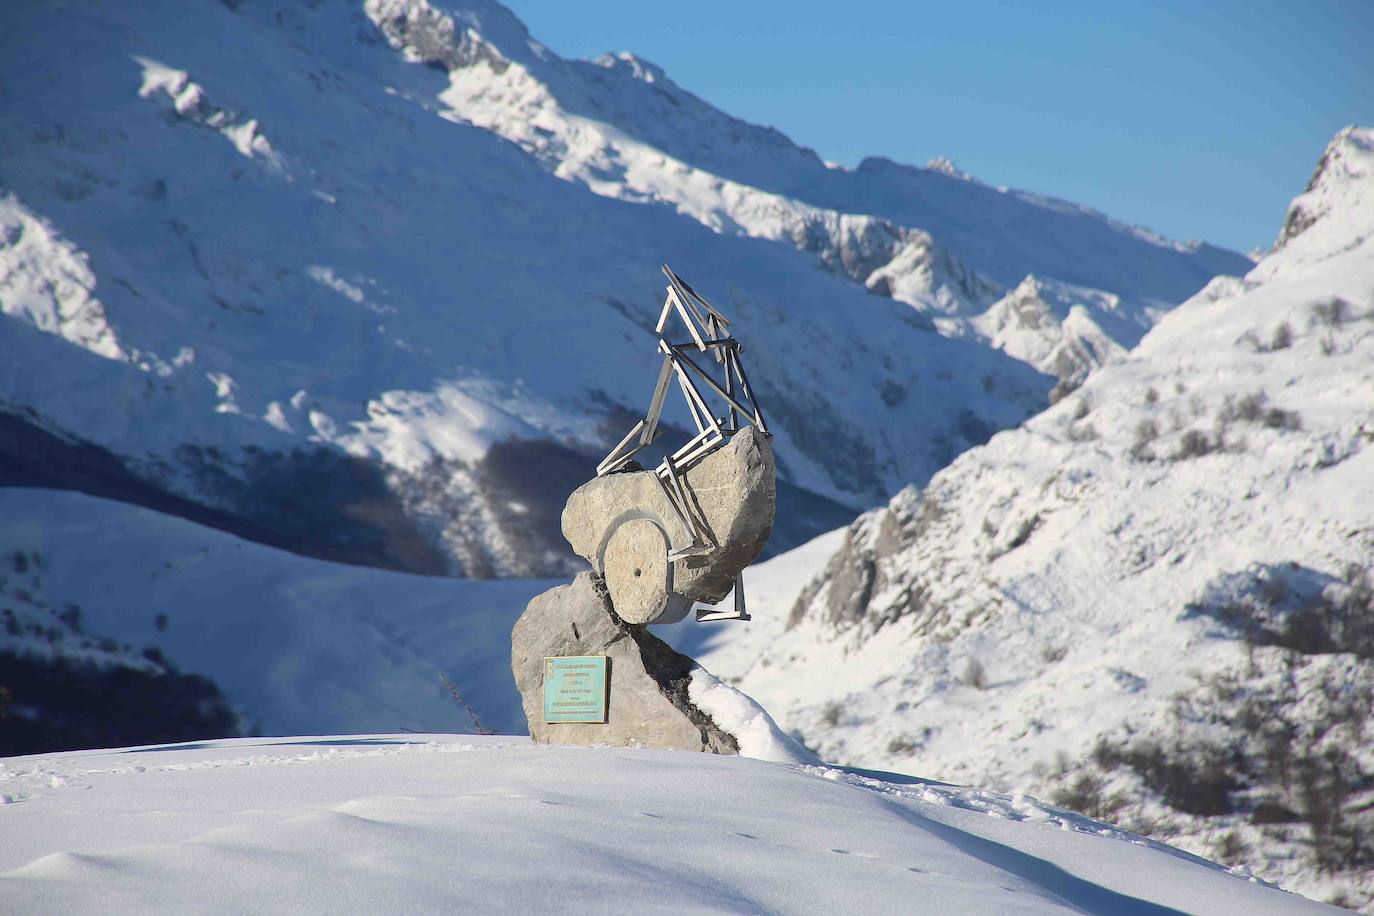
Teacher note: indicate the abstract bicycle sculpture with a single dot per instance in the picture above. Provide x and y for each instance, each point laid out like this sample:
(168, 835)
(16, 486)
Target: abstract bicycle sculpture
(718, 488)
(660, 542)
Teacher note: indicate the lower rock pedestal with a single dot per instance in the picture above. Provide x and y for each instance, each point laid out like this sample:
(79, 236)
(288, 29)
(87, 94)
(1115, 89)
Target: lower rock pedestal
(648, 680)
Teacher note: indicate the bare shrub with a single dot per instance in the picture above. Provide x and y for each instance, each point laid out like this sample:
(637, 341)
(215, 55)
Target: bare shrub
(1249, 408)
(1229, 848)
(1333, 313)
(1277, 418)
(1146, 432)
(975, 675)
(1196, 778)
(1283, 337)
(472, 713)
(1051, 654)
(904, 744)
(1082, 432)
(1151, 395)
(1328, 344)
(1254, 408)
(1193, 444)
(1086, 794)
(831, 713)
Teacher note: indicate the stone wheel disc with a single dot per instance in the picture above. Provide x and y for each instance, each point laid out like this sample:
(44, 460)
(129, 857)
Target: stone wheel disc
(635, 566)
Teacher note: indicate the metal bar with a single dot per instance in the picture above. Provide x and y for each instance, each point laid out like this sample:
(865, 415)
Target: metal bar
(691, 444)
(713, 343)
(620, 445)
(716, 338)
(686, 288)
(686, 318)
(677, 510)
(613, 463)
(730, 387)
(656, 403)
(707, 416)
(663, 316)
(692, 407)
(628, 436)
(684, 507)
(729, 398)
(685, 458)
(689, 391)
(749, 394)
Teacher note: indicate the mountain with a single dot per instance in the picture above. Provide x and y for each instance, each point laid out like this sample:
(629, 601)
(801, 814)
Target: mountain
(277, 268)
(484, 824)
(934, 238)
(103, 605)
(1153, 602)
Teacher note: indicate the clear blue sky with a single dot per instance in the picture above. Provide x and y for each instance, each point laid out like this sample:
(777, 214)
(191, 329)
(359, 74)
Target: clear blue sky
(1199, 120)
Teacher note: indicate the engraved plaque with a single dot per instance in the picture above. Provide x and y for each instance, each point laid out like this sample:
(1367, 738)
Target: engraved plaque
(575, 688)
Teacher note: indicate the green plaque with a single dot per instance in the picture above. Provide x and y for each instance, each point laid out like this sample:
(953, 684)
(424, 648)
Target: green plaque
(575, 688)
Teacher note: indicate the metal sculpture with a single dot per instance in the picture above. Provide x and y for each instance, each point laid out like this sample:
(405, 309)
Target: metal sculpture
(709, 332)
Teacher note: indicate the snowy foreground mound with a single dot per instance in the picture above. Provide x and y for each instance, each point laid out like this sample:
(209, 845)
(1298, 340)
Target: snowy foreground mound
(433, 822)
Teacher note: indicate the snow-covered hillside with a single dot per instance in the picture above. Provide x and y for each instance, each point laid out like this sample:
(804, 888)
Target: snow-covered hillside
(1154, 602)
(437, 823)
(933, 238)
(294, 644)
(253, 273)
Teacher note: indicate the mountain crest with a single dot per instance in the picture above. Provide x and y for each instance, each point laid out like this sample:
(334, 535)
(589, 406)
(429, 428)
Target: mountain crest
(1338, 188)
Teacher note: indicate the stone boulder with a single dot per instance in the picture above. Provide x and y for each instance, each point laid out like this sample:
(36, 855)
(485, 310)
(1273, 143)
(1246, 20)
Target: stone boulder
(625, 525)
(648, 680)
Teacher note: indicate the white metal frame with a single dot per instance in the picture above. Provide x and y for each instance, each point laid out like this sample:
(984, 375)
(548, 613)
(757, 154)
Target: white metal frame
(709, 331)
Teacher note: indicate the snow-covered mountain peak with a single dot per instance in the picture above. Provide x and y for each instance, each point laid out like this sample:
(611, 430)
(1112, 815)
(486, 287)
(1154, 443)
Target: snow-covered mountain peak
(449, 37)
(622, 128)
(946, 166)
(636, 67)
(1063, 329)
(1338, 203)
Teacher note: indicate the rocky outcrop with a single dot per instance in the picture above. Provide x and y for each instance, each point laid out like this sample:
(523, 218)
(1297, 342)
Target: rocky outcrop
(647, 703)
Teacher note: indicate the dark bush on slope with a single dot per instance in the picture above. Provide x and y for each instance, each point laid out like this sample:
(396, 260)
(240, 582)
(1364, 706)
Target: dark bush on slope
(60, 704)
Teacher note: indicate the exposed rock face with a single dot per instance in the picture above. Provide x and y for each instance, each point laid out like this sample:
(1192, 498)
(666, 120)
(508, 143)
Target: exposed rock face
(617, 523)
(648, 702)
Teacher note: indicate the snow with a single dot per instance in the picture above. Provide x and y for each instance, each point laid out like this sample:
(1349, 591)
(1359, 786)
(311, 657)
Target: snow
(619, 127)
(441, 822)
(1041, 595)
(414, 299)
(296, 644)
(47, 282)
(757, 733)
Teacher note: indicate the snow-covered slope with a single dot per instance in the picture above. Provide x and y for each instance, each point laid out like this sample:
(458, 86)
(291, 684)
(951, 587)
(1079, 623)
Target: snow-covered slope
(1154, 601)
(252, 272)
(295, 644)
(933, 238)
(437, 823)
